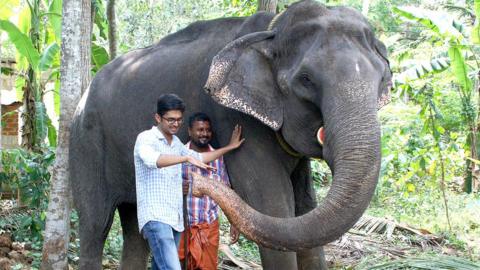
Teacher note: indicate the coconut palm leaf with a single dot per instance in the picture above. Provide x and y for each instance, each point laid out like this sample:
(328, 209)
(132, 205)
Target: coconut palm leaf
(429, 263)
(422, 69)
(437, 21)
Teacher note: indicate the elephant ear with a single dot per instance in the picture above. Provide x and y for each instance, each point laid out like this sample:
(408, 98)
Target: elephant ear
(386, 83)
(240, 78)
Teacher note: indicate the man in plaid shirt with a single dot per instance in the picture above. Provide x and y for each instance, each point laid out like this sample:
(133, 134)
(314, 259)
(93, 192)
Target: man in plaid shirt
(203, 227)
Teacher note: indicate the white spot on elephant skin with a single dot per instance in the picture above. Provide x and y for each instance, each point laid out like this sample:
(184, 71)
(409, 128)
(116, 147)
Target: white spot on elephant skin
(357, 68)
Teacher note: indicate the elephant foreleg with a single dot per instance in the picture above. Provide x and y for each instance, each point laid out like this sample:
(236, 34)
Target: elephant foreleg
(135, 249)
(269, 190)
(273, 260)
(305, 201)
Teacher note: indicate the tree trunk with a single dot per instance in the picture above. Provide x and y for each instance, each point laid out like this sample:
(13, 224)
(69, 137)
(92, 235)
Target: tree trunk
(28, 115)
(267, 5)
(472, 179)
(1, 147)
(365, 6)
(31, 90)
(112, 29)
(75, 76)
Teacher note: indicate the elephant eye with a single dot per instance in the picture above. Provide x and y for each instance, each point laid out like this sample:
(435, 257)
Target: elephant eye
(305, 80)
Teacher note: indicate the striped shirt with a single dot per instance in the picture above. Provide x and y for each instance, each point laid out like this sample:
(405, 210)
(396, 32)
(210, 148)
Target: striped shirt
(204, 209)
(159, 190)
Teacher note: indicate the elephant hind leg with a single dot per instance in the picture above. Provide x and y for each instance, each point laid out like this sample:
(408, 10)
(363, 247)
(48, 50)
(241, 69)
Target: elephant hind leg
(135, 248)
(90, 192)
(93, 231)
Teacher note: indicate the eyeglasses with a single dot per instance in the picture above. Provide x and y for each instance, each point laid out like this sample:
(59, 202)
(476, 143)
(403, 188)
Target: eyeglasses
(172, 121)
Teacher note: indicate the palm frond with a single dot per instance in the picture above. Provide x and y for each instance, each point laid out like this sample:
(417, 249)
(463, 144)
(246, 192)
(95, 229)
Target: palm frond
(368, 225)
(429, 263)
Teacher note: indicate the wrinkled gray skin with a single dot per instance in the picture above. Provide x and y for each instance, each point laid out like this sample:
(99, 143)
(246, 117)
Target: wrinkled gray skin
(316, 67)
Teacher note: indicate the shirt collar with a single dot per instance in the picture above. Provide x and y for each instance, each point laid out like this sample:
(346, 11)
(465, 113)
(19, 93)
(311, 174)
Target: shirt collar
(158, 133)
(161, 137)
(209, 146)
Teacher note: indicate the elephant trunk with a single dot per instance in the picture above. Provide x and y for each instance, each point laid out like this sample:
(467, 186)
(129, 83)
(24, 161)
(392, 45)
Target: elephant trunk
(354, 157)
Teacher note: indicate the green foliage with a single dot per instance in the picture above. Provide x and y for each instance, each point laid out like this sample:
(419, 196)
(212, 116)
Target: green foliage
(36, 38)
(410, 165)
(411, 171)
(114, 243)
(320, 172)
(445, 35)
(142, 23)
(439, 22)
(28, 173)
(237, 8)
(55, 18)
(21, 41)
(100, 56)
(50, 56)
(6, 9)
(422, 69)
(100, 19)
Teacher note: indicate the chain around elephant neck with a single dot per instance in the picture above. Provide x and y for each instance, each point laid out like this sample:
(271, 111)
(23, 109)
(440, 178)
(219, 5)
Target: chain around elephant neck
(274, 20)
(285, 146)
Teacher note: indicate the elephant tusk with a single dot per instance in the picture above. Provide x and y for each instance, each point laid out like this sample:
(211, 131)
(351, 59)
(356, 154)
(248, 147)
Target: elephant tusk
(321, 136)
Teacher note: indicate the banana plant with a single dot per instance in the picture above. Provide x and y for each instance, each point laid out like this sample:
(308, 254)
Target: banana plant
(458, 44)
(38, 56)
(37, 38)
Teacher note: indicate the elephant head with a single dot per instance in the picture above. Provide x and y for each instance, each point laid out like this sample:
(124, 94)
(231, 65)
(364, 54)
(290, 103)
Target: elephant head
(317, 77)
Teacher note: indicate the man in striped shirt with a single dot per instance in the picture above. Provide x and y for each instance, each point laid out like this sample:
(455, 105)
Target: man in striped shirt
(203, 227)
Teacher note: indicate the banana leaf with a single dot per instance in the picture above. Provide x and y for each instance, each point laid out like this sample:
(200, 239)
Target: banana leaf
(22, 43)
(49, 57)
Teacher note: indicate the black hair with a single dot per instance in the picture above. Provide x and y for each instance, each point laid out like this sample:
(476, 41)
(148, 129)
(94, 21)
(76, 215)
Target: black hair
(169, 102)
(198, 116)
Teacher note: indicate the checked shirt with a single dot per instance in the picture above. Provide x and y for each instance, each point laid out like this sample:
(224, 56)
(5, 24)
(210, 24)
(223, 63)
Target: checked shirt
(204, 209)
(159, 190)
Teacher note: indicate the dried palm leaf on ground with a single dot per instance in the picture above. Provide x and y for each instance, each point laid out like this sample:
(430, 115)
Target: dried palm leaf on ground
(368, 225)
(238, 262)
(429, 263)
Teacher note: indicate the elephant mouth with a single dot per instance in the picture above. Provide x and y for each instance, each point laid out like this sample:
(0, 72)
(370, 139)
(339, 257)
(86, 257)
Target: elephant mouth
(321, 135)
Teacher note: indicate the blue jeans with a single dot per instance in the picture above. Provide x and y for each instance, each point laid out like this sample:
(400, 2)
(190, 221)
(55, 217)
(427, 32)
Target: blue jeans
(163, 241)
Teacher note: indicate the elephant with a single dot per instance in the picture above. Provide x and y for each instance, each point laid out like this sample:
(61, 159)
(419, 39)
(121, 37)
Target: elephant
(305, 83)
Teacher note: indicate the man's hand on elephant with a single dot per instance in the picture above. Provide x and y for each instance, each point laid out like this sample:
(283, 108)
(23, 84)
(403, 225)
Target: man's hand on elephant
(234, 234)
(236, 140)
(200, 164)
